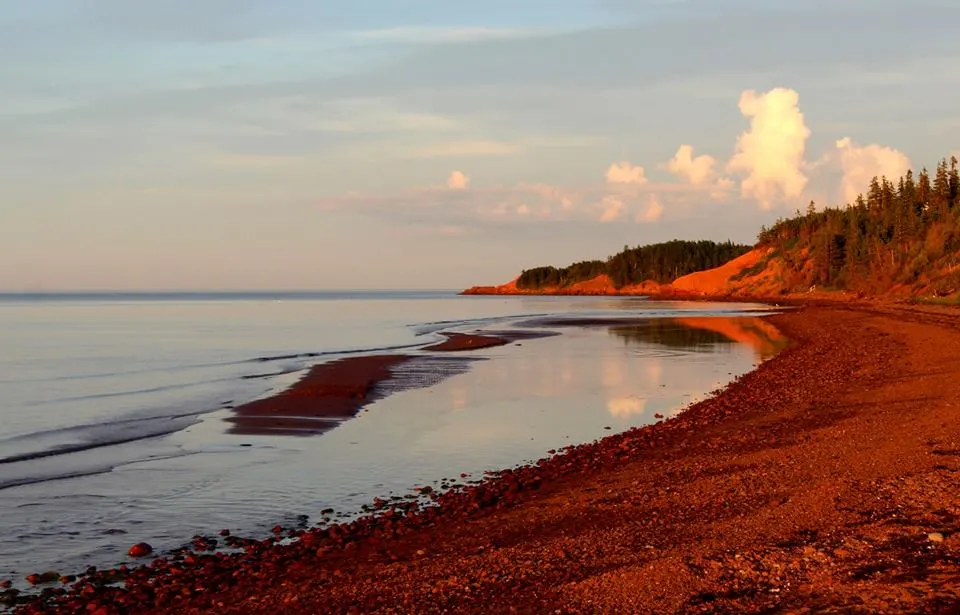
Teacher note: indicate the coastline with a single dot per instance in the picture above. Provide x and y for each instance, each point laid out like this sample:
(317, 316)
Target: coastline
(744, 501)
(330, 393)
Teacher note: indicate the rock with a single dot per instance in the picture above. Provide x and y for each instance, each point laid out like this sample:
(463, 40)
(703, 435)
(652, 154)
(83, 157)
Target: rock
(935, 537)
(141, 549)
(39, 579)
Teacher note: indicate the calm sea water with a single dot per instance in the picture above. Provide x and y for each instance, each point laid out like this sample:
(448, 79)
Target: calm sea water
(112, 405)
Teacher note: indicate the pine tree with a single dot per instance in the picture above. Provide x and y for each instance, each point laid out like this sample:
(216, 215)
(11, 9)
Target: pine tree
(953, 181)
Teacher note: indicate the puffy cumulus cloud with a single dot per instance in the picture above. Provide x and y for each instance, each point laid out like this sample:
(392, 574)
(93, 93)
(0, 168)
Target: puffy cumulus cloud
(644, 209)
(861, 164)
(651, 211)
(552, 193)
(697, 170)
(770, 155)
(612, 208)
(625, 173)
(458, 180)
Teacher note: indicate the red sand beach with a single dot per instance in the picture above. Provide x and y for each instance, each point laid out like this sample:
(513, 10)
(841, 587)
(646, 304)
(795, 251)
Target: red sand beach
(824, 481)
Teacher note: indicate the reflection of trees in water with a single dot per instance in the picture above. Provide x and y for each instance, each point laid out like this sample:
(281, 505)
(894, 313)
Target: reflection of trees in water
(705, 333)
(670, 333)
(766, 341)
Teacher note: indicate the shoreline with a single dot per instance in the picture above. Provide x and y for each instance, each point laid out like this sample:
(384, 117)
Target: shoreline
(330, 393)
(715, 512)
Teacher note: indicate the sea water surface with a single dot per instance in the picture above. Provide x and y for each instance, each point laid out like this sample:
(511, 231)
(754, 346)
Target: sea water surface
(112, 410)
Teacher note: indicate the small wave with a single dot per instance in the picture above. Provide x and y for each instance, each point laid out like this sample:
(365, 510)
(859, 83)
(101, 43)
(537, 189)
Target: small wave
(329, 353)
(428, 328)
(130, 392)
(35, 480)
(282, 372)
(132, 372)
(143, 431)
(92, 470)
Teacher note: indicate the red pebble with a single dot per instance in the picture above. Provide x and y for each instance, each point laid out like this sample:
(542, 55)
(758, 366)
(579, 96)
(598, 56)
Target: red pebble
(141, 549)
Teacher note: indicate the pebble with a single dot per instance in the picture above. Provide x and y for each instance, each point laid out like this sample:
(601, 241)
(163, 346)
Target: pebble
(935, 537)
(141, 549)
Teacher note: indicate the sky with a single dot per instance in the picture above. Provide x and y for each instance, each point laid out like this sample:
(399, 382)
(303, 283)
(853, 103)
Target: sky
(294, 144)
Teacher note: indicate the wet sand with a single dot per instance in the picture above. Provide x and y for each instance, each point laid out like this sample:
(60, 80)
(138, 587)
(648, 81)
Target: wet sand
(333, 392)
(328, 394)
(456, 342)
(827, 479)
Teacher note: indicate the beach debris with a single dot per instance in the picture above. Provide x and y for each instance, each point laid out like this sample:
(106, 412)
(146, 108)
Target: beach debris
(141, 549)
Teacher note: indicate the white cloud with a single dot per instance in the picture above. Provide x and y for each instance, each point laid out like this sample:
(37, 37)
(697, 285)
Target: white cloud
(722, 188)
(696, 170)
(552, 193)
(861, 164)
(651, 212)
(612, 208)
(625, 173)
(770, 154)
(458, 180)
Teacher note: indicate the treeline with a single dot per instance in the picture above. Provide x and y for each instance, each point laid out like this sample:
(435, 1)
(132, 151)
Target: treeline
(661, 262)
(903, 232)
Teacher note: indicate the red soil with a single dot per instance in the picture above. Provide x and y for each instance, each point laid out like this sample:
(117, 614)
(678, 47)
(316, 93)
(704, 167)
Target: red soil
(328, 394)
(724, 282)
(717, 281)
(824, 481)
(466, 341)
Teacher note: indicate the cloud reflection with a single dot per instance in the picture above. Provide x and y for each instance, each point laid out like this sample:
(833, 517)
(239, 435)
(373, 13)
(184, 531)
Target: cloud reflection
(623, 407)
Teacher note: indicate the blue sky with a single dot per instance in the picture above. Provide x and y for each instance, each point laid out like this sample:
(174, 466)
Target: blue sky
(203, 144)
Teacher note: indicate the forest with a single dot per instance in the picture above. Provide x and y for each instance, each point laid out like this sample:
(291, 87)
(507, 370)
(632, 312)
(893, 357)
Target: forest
(661, 262)
(902, 234)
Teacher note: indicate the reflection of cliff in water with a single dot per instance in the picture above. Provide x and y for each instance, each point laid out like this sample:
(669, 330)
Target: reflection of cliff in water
(705, 334)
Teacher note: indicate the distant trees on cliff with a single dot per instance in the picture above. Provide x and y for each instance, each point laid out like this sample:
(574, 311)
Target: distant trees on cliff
(661, 262)
(902, 232)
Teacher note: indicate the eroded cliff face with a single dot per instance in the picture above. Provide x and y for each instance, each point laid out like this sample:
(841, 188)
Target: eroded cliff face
(762, 273)
(759, 273)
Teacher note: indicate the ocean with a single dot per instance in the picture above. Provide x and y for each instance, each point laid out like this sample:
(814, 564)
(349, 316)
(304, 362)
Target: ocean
(112, 410)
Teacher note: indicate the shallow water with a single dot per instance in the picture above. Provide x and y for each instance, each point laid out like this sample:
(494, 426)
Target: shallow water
(112, 430)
